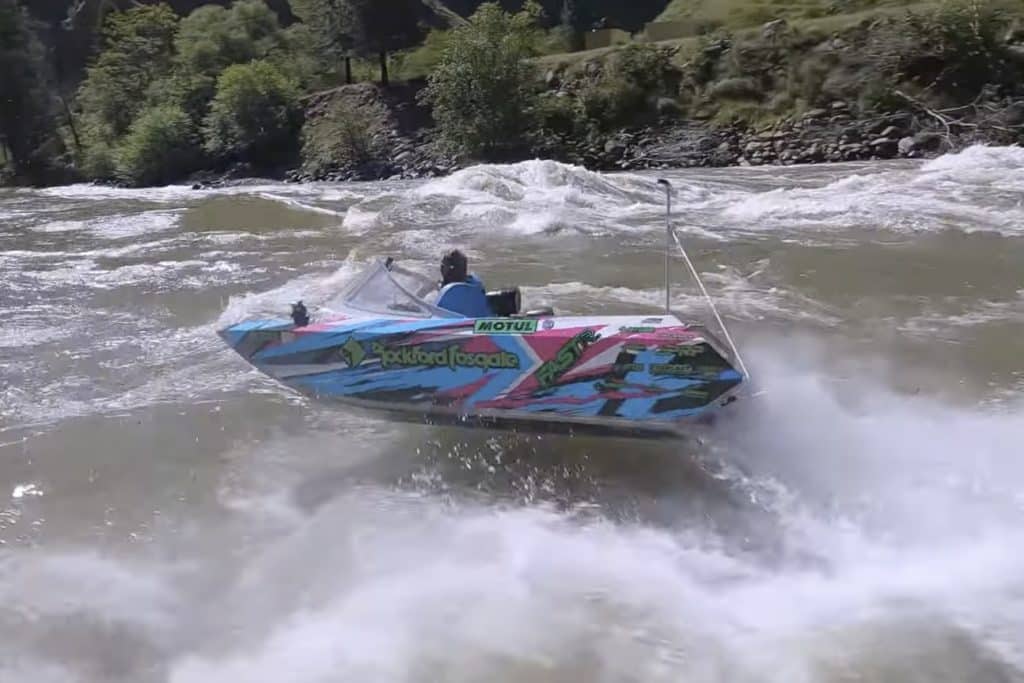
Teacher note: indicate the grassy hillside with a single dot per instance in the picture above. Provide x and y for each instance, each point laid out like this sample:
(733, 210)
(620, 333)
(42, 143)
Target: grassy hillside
(738, 13)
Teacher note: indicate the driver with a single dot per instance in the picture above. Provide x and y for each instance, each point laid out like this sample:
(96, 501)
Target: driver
(470, 301)
(455, 268)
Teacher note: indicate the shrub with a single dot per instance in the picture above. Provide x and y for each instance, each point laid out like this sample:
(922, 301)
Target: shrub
(342, 136)
(608, 103)
(735, 89)
(160, 147)
(808, 78)
(254, 116)
(484, 89)
(97, 161)
(634, 79)
(647, 67)
(956, 48)
(557, 114)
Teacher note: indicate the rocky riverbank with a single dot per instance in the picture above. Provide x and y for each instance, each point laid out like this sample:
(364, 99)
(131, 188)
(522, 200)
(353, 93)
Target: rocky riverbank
(406, 147)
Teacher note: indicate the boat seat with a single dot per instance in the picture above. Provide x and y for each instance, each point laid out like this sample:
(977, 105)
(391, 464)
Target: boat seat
(464, 298)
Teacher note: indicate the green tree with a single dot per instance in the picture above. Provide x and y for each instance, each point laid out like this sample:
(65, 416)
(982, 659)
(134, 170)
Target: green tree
(255, 115)
(484, 91)
(160, 147)
(329, 23)
(138, 46)
(209, 40)
(27, 123)
(378, 27)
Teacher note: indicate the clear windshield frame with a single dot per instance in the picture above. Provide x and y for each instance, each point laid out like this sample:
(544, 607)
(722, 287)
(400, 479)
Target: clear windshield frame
(388, 289)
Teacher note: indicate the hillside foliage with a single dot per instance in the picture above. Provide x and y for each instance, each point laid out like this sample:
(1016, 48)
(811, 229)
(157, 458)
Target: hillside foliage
(172, 87)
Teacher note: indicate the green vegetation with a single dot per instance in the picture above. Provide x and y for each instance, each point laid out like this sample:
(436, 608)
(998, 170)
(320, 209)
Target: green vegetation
(254, 116)
(712, 14)
(235, 85)
(628, 87)
(484, 89)
(160, 146)
(138, 47)
(342, 135)
(168, 95)
(28, 130)
(343, 29)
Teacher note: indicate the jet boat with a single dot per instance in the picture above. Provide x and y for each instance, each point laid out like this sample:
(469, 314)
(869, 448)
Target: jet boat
(390, 345)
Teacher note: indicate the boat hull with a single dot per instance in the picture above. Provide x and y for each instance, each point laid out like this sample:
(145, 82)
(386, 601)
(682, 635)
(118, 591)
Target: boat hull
(632, 375)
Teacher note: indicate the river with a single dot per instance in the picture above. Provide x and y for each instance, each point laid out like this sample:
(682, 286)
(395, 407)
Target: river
(168, 514)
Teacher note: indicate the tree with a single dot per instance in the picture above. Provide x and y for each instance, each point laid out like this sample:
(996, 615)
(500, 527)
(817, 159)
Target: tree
(27, 123)
(329, 23)
(138, 46)
(209, 40)
(377, 27)
(160, 147)
(484, 91)
(255, 115)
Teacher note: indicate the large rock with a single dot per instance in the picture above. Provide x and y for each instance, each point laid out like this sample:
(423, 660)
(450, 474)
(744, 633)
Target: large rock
(928, 141)
(1013, 115)
(883, 147)
(615, 148)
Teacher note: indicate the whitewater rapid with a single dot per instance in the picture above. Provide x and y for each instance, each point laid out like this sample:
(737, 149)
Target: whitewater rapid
(166, 514)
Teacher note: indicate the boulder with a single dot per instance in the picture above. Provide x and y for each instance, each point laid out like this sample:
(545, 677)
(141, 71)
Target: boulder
(928, 141)
(1013, 115)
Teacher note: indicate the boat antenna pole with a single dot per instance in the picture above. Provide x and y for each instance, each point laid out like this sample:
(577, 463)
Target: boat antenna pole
(668, 244)
(669, 238)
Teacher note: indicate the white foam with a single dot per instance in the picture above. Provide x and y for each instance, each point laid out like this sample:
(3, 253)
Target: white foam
(943, 194)
(118, 227)
(734, 295)
(314, 289)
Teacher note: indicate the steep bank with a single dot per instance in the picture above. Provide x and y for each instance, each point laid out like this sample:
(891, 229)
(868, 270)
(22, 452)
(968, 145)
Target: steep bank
(780, 94)
(401, 141)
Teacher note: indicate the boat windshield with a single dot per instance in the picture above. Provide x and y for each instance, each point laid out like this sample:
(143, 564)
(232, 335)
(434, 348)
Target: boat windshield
(393, 291)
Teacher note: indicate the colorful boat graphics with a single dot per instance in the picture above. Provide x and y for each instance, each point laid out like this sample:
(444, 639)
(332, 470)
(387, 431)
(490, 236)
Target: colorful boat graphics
(622, 373)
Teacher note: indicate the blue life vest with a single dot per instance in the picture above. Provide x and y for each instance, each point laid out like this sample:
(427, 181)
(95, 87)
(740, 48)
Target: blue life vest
(467, 298)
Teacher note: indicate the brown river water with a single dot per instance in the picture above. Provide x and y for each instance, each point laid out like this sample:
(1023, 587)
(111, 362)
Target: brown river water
(169, 514)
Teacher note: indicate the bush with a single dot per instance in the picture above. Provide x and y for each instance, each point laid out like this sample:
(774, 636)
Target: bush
(735, 89)
(808, 79)
(627, 90)
(647, 67)
(159, 148)
(608, 103)
(254, 116)
(557, 114)
(97, 161)
(956, 48)
(484, 90)
(342, 136)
